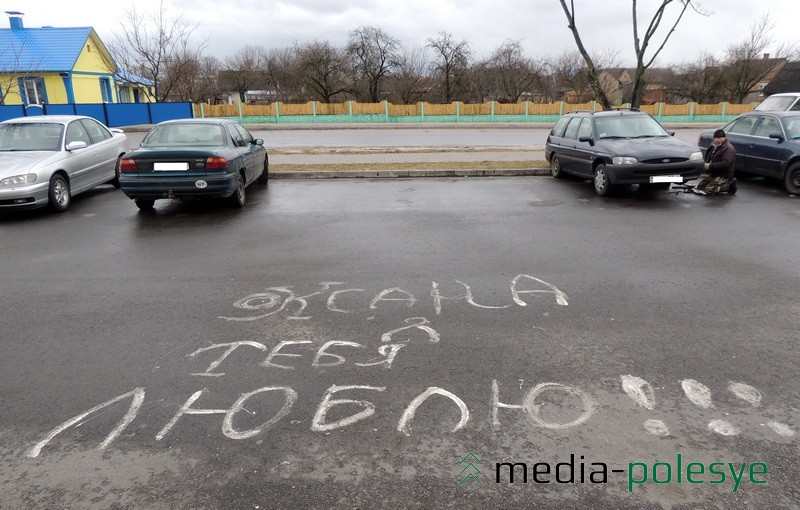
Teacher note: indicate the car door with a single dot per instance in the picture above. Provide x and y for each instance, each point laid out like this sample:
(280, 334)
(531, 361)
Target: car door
(241, 148)
(739, 134)
(106, 149)
(767, 154)
(567, 145)
(584, 151)
(81, 164)
(254, 159)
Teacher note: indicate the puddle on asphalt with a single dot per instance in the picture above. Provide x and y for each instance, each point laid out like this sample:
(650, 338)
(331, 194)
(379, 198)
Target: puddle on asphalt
(544, 203)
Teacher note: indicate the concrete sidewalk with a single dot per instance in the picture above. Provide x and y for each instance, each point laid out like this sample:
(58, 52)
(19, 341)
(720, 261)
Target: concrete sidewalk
(407, 162)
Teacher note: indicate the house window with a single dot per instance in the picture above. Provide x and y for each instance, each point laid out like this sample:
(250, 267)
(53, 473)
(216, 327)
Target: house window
(33, 90)
(105, 89)
(124, 94)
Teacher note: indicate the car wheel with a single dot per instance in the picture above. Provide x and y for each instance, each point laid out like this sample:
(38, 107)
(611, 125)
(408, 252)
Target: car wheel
(115, 180)
(555, 167)
(264, 177)
(602, 186)
(144, 204)
(237, 199)
(59, 194)
(791, 180)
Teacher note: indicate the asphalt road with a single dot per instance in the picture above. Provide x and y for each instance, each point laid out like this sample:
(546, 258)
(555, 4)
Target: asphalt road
(282, 355)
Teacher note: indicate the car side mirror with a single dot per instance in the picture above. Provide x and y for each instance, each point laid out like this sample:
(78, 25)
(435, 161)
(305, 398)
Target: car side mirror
(259, 141)
(671, 133)
(78, 144)
(587, 139)
(116, 130)
(777, 136)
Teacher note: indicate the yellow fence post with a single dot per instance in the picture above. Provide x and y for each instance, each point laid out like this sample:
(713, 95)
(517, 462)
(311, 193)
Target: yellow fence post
(314, 110)
(202, 110)
(240, 110)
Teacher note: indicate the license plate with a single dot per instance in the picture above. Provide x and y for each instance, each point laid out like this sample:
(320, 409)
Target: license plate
(665, 178)
(166, 167)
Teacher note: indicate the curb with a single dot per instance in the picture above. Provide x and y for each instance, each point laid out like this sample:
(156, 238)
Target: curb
(389, 174)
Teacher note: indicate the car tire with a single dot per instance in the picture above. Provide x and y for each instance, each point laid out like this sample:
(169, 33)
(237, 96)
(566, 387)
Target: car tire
(58, 194)
(555, 167)
(602, 186)
(791, 181)
(115, 181)
(237, 200)
(264, 177)
(144, 204)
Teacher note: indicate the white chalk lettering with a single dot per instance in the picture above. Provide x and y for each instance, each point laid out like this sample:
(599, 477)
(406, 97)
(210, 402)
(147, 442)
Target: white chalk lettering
(404, 424)
(227, 423)
(437, 298)
(420, 323)
(339, 359)
(496, 404)
(409, 298)
(232, 346)
(318, 424)
(388, 351)
(534, 410)
(136, 396)
(332, 300)
(561, 298)
(187, 409)
(276, 352)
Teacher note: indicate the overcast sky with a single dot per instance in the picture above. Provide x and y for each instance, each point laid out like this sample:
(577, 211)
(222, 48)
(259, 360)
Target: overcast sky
(540, 24)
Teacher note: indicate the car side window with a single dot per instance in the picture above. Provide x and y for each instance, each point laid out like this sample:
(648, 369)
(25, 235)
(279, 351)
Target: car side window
(246, 136)
(743, 126)
(558, 128)
(572, 128)
(585, 128)
(77, 133)
(238, 141)
(767, 125)
(97, 132)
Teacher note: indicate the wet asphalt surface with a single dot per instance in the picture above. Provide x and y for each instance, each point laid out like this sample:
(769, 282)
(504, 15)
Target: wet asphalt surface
(528, 300)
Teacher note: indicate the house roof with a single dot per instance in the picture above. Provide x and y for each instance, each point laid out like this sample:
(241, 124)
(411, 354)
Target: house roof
(45, 49)
(785, 80)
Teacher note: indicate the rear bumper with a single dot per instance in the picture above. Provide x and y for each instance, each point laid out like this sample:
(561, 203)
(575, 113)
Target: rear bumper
(162, 186)
(641, 173)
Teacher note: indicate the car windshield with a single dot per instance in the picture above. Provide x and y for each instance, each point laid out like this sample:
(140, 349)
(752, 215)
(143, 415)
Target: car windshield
(628, 126)
(38, 136)
(185, 135)
(776, 103)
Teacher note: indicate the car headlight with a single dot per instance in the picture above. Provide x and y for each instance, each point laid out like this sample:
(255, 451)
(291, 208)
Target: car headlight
(18, 180)
(624, 160)
(696, 156)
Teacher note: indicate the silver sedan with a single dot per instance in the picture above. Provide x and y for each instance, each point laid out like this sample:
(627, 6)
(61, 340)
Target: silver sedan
(49, 159)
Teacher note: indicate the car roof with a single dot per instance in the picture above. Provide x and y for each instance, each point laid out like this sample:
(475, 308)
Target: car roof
(62, 119)
(608, 113)
(203, 120)
(778, 113)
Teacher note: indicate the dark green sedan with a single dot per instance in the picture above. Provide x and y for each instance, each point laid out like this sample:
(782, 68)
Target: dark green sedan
(194, 158)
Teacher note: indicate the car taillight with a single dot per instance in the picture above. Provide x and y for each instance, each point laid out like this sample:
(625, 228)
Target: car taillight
(128, 165)
(216, 163)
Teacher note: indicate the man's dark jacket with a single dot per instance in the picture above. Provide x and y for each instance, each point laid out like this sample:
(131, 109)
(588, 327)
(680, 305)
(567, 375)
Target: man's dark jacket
(722, 161)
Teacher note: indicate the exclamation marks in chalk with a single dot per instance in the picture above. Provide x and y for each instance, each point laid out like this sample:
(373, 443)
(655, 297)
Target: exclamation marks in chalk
(641, 392)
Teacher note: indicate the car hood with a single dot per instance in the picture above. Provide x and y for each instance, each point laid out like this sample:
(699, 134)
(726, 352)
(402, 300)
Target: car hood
(649, 148)
(17, 163)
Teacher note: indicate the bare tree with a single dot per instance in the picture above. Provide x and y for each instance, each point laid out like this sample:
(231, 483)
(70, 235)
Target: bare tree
(157, 48)
(641, 45)
(514, 73)
(451, 61)
(323, 68)
(571, 75)
(374, 56)
(410, 82)
(700, 80)
(280, 69)
(744, 64)
(241, 71)
(201, 82)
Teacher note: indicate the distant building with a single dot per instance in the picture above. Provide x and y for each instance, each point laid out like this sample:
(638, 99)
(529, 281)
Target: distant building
(51, 65)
